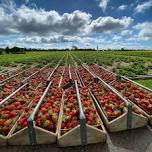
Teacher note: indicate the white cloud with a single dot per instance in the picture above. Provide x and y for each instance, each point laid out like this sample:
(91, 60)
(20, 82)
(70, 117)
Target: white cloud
(26, 20)
(126, 33)
(35, 27)
(8, 5)
(34, 21)
(103, 4)
(145, 30)
(42, 22)
(109, 24)
(116, 38)
(141, 8)
(122, 7)
(54, 39)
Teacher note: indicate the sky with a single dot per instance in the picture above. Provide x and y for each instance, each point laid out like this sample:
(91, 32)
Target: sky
(108, 24)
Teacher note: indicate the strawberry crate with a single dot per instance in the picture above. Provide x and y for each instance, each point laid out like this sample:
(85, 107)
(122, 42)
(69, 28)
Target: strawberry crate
(12, 84)
(137, 94)
(43, 122)
(31, 92)
(22, 135)
(123, 85)
(127, 116)
(10, 110)
(102, 73)
(115, 116)
(19, 72)
(7, 71)
(76, 126)
(11, 74)
(19, 132)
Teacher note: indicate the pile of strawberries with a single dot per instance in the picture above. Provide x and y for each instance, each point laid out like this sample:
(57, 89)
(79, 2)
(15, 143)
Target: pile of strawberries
(70, 117)
(92, 117)
(65, 77)
(112, 105)
(135, 94)
(85, 75)
(39, 78)
(103, 74)
(11, 111)
(56, 76)
(7, 74)
(47, 115)
(22, 121)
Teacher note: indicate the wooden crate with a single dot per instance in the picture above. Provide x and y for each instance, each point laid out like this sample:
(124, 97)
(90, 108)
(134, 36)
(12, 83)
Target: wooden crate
(146, 90)
(120, 123)
(72, 137)
(138, 120)
(44, 136)
(3, 140)
(19, 138)
(145, 117)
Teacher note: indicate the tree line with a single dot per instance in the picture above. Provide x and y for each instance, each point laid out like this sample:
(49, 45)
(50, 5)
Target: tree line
(18, 50)
(14, 50)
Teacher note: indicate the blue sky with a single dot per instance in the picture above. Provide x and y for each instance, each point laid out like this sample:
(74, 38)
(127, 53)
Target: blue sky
(83, 23)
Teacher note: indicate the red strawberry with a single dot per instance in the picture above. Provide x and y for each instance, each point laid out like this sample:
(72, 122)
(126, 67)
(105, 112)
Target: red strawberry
(62, 125)
(11, 114)
(43, 110)
(74, 123)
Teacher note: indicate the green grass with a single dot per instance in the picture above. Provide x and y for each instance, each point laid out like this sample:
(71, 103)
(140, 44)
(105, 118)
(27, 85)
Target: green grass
(108, 57)
(31, 57)
(147, 83)
(147, 54)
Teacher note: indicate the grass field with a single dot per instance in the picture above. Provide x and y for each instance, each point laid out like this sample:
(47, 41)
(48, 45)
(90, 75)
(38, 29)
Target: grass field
(106, 57)
(30, 57)
(110, 56)
(147, 83)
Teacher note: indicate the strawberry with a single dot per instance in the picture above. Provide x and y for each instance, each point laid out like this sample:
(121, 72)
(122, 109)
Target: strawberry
(5, 130)
(38, 122)
(134, 93)
(46, 124)
(44, 110)
(11, 114)
(47, 115)
(1, 122)
(63, 125)
(74, 123)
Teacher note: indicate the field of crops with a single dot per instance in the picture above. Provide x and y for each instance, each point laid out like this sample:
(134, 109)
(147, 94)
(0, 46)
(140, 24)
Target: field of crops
(30, 57)
(147, 83)
(68, 98)
(106, 57)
